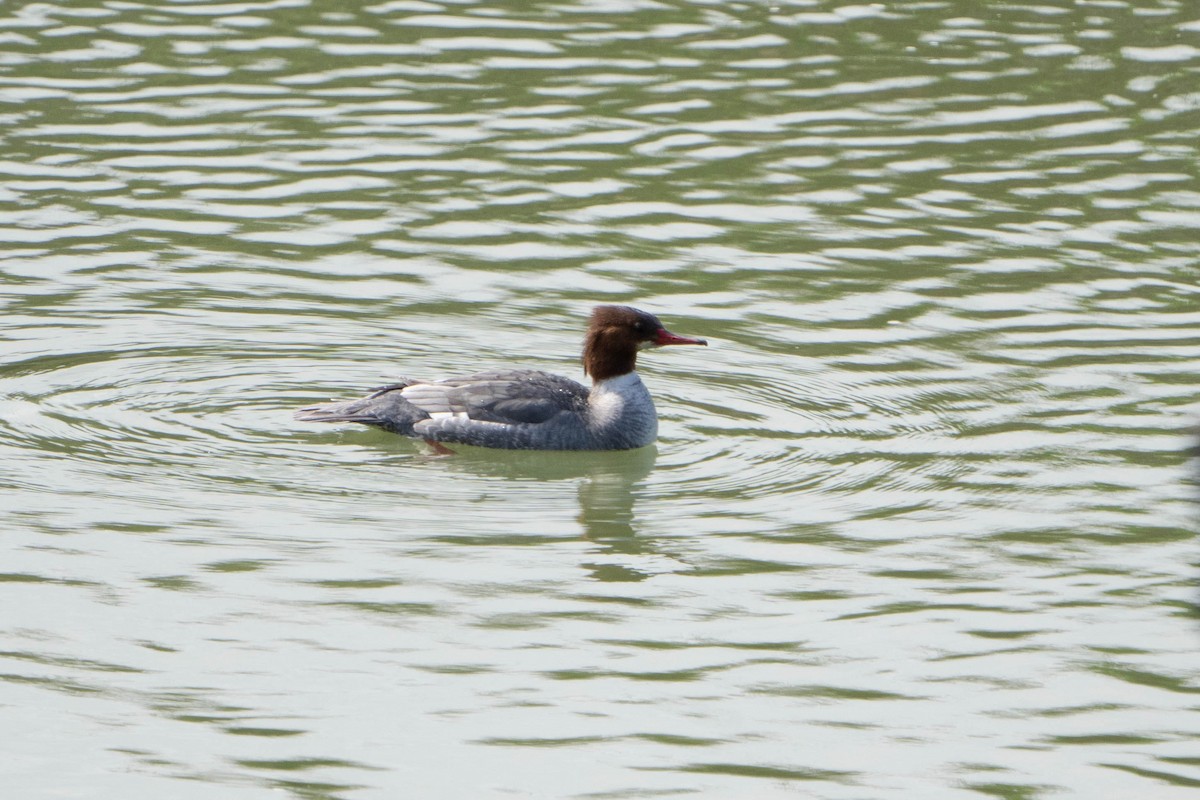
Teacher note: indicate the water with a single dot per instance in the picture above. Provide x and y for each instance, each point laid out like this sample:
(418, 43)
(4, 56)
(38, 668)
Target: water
(918, 524)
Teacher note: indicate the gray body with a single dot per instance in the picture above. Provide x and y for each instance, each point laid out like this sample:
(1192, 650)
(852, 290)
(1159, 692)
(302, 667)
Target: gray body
(509, 409)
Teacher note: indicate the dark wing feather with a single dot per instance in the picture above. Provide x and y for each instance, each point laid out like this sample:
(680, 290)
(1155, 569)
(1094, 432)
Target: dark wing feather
(511, 397)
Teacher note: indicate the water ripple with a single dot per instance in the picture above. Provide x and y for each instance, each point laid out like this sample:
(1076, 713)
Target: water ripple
(925, 479)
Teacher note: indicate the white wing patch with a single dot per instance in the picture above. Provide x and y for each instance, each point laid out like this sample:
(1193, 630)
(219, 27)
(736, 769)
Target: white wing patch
(433, 400)
(448, 415)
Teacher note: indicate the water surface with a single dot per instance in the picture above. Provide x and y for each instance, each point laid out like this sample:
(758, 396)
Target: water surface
(918, 524)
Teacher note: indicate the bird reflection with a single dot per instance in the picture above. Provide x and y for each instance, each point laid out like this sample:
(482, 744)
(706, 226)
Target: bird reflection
(607, 484)
(606, 511)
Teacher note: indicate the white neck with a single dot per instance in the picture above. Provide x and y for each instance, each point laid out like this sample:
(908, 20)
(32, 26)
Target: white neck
(622, 404)
(620, 384)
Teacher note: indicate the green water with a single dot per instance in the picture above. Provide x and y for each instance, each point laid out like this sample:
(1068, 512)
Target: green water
(919, 522)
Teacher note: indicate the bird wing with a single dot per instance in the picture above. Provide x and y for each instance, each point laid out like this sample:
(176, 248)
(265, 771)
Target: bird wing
(511, 397)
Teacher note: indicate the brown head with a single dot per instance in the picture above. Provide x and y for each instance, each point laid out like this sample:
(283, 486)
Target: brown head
(614, 336)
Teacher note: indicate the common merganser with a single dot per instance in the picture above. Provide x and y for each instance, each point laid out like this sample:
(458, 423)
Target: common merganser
(529, 409)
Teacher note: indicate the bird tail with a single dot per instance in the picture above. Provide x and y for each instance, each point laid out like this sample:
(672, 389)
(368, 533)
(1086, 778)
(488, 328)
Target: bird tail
(384, 408)
(348, 411)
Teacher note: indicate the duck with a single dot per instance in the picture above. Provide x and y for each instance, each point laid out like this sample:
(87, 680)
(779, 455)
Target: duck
(524, 409)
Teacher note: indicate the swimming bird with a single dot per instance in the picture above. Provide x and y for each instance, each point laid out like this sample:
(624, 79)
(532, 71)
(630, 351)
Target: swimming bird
(521, 409)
